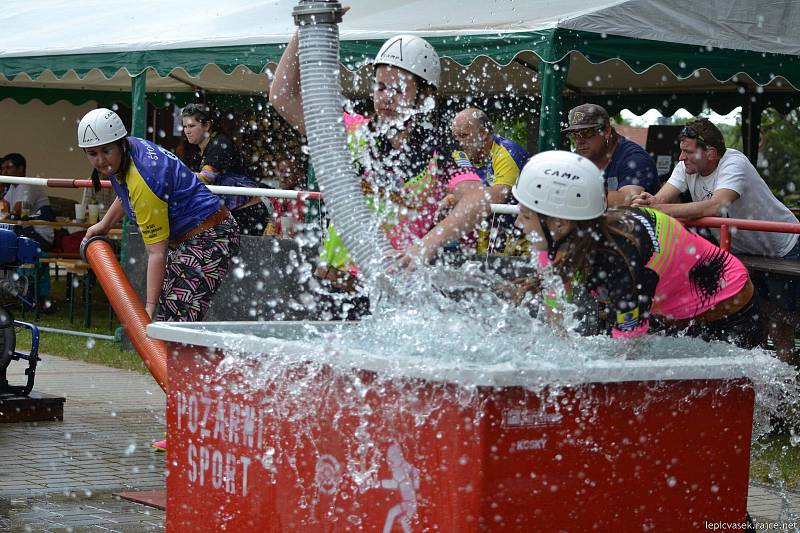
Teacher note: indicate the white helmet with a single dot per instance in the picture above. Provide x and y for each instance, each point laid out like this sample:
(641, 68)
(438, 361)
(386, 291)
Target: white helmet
(100, 126)
(562, 185)
(411, 53)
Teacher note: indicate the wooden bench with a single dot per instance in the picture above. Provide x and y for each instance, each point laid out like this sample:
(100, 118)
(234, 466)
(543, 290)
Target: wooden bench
(786, 268)
(80, 269)
(772, 265)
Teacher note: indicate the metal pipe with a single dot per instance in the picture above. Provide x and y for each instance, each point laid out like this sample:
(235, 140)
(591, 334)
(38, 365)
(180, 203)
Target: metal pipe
(216, 189)
(744, 224)
(270, 193)
(61, 183)
(725, 237)
(79, 333)
(500, 209)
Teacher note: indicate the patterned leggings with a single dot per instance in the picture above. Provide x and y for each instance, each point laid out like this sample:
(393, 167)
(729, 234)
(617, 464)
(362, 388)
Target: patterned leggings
(195, 270)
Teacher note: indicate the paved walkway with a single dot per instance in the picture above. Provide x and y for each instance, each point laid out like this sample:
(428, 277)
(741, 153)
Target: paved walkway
(766, 505)
(59, 476)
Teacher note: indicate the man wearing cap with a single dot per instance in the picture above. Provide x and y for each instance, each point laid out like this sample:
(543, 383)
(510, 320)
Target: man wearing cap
(628, 169)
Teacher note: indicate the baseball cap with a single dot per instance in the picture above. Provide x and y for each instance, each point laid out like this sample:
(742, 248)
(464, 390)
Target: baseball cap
(587, 116)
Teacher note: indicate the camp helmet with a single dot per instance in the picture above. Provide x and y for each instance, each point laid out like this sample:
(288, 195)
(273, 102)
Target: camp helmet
(563, 185)
(411, 53)
(100, 126)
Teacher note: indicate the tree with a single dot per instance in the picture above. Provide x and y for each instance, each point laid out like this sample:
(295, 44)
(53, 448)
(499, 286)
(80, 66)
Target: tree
(780, 148)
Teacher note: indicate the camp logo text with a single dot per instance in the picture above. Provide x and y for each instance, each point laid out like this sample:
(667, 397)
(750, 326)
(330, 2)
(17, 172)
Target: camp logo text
(561, 174)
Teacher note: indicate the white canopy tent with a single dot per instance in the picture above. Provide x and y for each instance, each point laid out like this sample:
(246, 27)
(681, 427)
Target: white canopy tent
(732, 52)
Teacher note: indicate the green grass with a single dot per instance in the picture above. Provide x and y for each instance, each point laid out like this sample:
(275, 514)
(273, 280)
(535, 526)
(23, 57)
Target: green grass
(773, 459)
(98, 351)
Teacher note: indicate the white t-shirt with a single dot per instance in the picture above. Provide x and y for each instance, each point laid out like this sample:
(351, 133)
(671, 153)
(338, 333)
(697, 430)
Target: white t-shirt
(37, 196)
(756, 202)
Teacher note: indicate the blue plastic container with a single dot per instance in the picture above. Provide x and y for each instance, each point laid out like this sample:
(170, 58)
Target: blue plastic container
(8, 247)
(27, 250)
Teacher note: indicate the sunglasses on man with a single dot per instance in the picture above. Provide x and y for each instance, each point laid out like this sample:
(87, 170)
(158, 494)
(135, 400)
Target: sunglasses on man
(585, 134)
(691, 133)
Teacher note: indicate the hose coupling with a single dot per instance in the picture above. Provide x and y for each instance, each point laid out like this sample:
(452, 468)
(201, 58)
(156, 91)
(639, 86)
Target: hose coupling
(309, 12)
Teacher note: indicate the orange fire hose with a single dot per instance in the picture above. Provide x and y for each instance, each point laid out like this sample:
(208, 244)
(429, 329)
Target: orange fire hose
(127, 305)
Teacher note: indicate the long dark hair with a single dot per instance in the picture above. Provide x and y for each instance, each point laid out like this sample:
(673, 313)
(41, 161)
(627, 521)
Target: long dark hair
(124, 166)
(574, 260)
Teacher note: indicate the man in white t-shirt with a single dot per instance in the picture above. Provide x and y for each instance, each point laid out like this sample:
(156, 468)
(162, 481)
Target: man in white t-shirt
(723, 183)
(27, 197)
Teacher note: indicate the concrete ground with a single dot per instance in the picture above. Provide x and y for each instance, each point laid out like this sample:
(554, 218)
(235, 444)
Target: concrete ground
(59, 476)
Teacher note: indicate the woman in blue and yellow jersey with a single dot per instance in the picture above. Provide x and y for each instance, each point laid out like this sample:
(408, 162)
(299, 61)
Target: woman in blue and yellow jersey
(189, 235)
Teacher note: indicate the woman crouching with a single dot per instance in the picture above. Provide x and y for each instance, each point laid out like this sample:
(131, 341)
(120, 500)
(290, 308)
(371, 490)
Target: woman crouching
(647, 271)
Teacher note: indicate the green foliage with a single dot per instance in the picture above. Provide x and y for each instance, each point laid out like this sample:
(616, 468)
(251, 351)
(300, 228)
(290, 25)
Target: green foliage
(515, 128)
(732, 134)
(781, 152)
(773, 460)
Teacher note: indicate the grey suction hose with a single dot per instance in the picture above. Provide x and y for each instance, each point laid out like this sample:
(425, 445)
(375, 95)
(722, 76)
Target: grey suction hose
(327, 141)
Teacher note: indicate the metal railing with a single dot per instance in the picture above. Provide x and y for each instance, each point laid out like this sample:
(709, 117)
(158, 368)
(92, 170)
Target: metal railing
(725, 225)
(63, 183)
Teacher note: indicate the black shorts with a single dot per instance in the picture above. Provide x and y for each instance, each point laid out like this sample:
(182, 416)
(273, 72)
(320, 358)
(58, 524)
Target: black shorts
(745, 328)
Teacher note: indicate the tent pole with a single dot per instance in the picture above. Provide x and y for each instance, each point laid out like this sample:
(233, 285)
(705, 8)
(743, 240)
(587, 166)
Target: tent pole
(138, 104)
(751, 126)
(138, 129)
(553, 78)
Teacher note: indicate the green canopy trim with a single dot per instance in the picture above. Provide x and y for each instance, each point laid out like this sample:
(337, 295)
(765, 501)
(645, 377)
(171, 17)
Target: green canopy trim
(551, 45)
(681, 59)
(192, 60)
(23, 95)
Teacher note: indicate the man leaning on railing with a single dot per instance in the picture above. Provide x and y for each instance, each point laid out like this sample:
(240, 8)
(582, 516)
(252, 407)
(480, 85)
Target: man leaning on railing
(723, 183)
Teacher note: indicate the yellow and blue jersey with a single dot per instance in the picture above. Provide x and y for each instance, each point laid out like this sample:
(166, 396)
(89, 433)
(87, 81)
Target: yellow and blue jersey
(506, 160)
(161, 194)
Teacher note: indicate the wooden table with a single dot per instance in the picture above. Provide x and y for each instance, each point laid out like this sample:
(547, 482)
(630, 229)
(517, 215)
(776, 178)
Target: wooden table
(72, 263)
(48, 223)
(80, 269)
(115, 233)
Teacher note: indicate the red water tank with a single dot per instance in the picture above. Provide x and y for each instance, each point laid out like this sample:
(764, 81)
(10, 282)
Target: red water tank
(331, 449)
